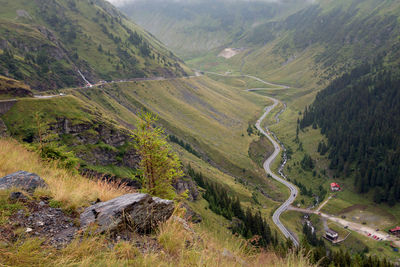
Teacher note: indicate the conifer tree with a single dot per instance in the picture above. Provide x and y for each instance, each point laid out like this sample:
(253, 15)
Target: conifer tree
(159, 165)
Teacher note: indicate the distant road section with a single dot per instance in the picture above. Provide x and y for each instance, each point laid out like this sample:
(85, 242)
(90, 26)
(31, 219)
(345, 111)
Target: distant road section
(267, 168)
(277, 149)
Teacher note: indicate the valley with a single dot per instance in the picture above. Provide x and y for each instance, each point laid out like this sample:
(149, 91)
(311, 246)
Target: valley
(270, 126)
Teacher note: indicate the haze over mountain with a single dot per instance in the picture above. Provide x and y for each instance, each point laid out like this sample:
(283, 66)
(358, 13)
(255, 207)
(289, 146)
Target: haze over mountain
(189, 27)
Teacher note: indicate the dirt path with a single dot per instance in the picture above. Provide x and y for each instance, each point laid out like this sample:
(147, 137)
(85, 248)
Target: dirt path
(324, 203)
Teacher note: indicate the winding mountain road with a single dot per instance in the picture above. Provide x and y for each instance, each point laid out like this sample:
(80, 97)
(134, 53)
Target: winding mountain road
(267, 168)
(271, 159)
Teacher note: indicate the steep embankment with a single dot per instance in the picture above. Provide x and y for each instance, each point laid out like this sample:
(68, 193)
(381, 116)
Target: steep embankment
(67, 194)
(58, 44)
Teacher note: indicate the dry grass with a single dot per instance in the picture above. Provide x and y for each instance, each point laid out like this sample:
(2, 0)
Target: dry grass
(179, 248)
(186, 248)
(72, 190)
(179, 245)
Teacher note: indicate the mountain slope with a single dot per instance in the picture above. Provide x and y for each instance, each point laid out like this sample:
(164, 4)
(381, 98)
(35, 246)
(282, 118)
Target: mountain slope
(315, 39)
(193, 27)
(347, 33)
(359, 115)
(46, 44)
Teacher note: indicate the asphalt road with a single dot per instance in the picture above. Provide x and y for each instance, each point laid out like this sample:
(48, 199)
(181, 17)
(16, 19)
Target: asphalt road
(277, 149)
(267, 168)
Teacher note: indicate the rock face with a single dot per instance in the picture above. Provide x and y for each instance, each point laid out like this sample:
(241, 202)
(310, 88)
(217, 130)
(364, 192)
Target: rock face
(140, 212)
(98, 132)
(22, 179)
(186, 183)
(6, 105)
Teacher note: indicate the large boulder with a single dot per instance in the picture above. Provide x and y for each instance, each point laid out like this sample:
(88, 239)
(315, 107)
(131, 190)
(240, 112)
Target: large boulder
(23, 180)
(140, 212)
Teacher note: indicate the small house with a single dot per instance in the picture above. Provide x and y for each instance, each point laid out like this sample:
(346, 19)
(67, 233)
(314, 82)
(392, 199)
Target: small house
(331, 235)
(335, 187)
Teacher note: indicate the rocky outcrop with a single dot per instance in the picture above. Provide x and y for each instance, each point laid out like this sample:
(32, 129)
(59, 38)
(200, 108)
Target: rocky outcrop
(14, 88)
(23, 180)
(92, 133)
(140, 212)
(131, 159)
(6, 106)
(92, 174)
(186, 184)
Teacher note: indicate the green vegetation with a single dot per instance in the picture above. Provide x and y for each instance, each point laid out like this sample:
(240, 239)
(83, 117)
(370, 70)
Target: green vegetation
(260, 150)
(48, 43)
(10, 88)
(159, 166)
(362, 135)
(7, 208)
(186, 146)
(249, 225)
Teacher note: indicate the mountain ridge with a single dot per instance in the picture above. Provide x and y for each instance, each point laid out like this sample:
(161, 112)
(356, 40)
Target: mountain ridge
(80, 37)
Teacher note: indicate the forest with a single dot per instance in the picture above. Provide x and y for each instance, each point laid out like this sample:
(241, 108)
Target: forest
(244, 222)
(358, 113)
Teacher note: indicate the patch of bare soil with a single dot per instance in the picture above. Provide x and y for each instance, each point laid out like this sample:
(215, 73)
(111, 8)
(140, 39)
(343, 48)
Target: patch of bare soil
(354, 207)
(229, 52)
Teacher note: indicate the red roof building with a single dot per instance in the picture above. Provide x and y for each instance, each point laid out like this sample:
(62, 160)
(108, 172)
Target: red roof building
(395, 231)
(335, 187)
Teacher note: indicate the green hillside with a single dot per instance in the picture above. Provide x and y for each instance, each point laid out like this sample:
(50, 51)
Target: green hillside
(196, 27)
(47, 43)
(307, 50)
(91, 127)
(329, 37)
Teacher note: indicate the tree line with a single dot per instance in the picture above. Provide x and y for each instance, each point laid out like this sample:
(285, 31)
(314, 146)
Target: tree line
(244, 222)
(359, 114)
(184, 145)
